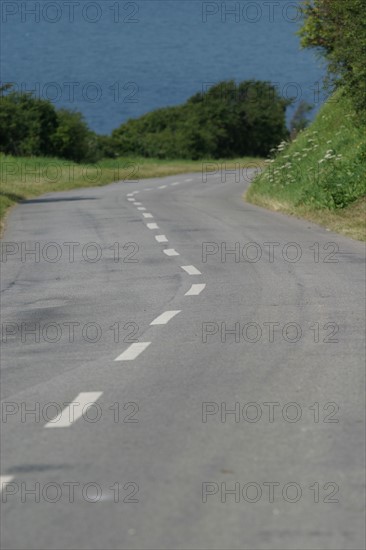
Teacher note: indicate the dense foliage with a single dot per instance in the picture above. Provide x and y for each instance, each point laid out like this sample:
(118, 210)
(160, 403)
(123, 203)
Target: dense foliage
(26, 124)
(338, 29)
(30, 126)
(227, 121)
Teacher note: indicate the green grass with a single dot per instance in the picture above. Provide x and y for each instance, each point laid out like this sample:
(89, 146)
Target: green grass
(321, 175)
(25, 178)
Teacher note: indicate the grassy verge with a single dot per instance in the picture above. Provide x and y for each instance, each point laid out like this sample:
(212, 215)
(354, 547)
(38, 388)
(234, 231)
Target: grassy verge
(24, 178)
(321, 175)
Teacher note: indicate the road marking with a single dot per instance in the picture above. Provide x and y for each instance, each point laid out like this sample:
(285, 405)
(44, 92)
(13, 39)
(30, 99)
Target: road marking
(129, 195)
(176, 183)
(165, 317)
(162, 187)
(191, 270)
(4, 480)
(161, 238)
(131, 200)
(74, 410)
(147, 215)
(152, 226)
(135, 192)
(171, 252)
(138, 203)
(141, 208)
(188, 180)
(195, 290)
(133, 351)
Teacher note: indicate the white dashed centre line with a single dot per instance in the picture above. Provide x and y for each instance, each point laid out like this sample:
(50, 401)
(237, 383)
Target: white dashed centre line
(147, 215)
(176, 183)
(165, 317)
(141, 208)
(161, 238)
(74, 410)
(188, 180)
(162, 187)
(152, 226)
(191, 270)
(129, 195)
(171, 252)
(133, 351)
(138, 203)
(195, 290)
(4, 480)
(131, 200)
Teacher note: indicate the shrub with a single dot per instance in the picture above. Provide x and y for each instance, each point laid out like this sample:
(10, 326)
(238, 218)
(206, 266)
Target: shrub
(228, 120)
(33, 127)
(72, 139)
(26, 124)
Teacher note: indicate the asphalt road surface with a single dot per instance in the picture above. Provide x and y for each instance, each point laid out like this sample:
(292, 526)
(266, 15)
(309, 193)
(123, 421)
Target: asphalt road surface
(180, 370)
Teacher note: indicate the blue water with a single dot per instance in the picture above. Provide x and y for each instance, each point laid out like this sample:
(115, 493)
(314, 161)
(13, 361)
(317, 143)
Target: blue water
(127, 58)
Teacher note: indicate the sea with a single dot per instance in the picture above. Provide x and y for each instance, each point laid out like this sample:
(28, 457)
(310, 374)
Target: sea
(116, 60)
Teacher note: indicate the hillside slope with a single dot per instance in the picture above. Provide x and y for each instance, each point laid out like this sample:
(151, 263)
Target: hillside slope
(321, 175)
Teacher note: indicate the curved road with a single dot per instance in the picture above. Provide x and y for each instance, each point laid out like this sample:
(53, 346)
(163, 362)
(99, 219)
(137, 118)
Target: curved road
(180, 370)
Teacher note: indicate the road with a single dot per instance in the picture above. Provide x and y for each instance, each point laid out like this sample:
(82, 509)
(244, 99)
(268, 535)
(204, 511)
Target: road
(187, 392)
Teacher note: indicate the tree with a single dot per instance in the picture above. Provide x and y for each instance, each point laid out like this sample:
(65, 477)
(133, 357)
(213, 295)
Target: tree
(30, 126)
(72, 138)
(27, 124)
(337, 29)
(228, 120)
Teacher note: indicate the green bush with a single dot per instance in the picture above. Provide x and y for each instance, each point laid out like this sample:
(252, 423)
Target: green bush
(227, 121)
(26, 124)
(33, 127)
(72, 139)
